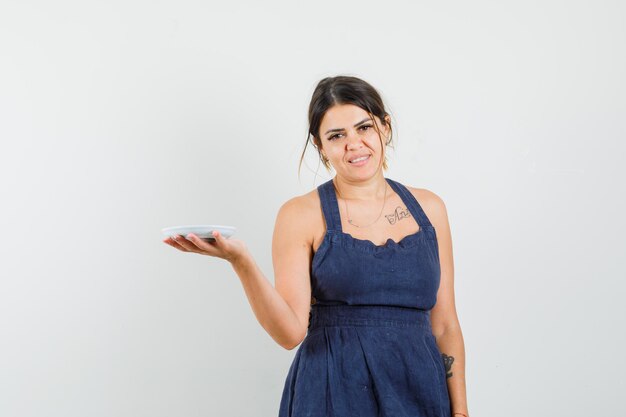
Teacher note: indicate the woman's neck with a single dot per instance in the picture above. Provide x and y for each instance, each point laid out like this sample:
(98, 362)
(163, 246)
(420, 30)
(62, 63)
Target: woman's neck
(366, 190)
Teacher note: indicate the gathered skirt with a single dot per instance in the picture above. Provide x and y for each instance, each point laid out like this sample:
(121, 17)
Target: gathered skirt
(378, 361)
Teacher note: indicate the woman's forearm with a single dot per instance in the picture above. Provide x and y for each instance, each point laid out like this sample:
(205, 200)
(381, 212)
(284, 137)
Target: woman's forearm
(270, 309)
(452, 350)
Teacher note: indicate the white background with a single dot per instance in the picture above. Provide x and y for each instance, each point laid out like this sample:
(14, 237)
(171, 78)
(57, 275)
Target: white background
(119, 118)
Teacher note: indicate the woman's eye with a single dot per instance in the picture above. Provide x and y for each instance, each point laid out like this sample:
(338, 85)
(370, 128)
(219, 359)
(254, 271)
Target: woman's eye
(365, 127)
(333, 137)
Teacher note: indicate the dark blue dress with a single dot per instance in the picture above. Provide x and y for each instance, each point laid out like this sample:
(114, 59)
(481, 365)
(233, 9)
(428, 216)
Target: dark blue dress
(369, 349)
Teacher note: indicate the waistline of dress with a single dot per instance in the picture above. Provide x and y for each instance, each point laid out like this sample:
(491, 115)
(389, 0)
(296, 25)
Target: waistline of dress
(368, 315)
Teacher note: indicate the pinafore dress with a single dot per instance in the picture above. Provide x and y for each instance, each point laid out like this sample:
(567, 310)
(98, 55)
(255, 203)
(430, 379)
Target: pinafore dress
(369, 350)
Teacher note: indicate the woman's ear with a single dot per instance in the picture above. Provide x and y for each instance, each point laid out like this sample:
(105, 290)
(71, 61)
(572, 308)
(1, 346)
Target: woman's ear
(318, 145)
(387, 126)
(387, 122)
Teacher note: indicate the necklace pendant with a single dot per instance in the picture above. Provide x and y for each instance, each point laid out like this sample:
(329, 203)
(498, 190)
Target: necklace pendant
(355, 225)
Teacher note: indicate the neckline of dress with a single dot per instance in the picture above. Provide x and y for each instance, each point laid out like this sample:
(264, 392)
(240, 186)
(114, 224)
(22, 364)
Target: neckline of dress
(389, 242)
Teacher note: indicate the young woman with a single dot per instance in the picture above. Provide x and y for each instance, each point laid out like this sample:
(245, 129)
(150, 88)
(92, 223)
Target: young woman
(363, 277)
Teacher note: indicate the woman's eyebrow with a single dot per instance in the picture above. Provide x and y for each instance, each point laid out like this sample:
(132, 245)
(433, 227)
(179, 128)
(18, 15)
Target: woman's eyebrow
(341, 130)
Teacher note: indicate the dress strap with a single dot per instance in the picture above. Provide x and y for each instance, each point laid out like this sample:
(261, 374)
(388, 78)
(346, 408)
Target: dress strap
(411, 203)
(330, 206)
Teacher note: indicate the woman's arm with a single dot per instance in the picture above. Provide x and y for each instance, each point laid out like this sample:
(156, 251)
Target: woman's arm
(444, 320)
(282, 311)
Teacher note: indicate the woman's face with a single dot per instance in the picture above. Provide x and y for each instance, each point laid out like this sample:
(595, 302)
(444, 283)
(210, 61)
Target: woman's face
(350, 141)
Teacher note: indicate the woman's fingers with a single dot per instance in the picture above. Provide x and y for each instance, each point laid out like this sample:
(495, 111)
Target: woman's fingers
(189, 246)
(172, 241)
(219, 239)
(199, 243)
(218, 247)
(221, 243)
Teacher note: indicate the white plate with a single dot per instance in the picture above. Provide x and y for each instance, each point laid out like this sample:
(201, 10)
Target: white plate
(201, 230)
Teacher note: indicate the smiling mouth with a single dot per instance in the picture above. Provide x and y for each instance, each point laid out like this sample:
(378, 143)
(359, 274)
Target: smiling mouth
(360, 159)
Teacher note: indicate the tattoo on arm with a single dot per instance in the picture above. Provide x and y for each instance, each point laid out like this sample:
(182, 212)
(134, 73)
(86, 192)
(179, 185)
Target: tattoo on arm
(447, 361)
(397, 215)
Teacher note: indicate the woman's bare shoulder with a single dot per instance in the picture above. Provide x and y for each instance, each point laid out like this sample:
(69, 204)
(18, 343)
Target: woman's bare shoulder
(303, 204)
(432, 204)
(303, 212)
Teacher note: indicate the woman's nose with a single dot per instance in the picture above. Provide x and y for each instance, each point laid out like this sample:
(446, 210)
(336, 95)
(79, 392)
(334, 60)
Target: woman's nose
(354, 140)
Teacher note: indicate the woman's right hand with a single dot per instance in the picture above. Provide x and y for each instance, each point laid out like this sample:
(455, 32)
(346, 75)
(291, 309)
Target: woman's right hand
(228, 249)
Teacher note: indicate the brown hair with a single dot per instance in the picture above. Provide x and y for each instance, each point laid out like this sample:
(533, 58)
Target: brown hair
(343, 89)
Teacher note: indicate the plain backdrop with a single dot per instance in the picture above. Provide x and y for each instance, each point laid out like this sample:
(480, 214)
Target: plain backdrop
(119, 118)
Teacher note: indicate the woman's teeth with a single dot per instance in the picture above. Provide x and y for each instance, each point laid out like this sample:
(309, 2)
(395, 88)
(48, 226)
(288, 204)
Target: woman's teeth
(363, 158)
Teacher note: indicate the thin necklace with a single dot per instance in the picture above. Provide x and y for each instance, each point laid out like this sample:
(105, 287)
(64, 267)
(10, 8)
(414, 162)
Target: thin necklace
(345, 202)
